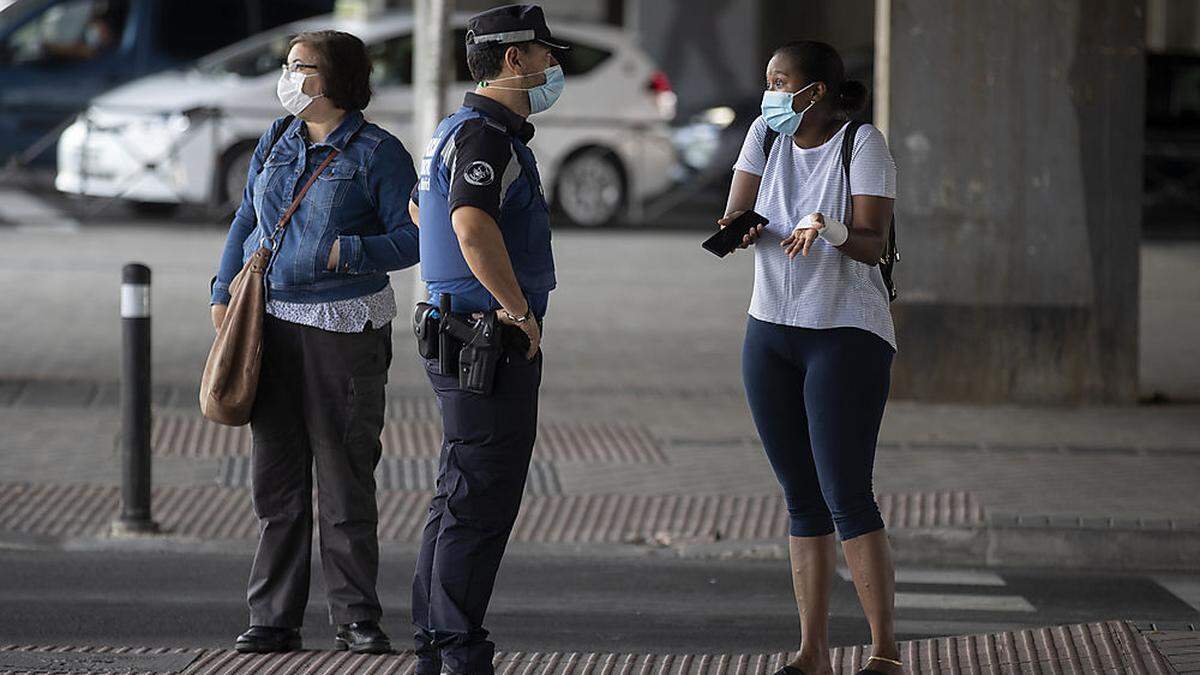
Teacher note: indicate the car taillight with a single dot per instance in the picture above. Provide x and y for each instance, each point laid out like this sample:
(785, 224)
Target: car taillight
(659, 83)
(664, 96)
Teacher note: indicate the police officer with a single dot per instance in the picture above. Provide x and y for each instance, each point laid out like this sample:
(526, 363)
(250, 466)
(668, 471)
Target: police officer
(485, 243)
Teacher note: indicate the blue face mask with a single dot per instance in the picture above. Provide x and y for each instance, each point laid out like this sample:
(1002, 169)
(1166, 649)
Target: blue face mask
(778, 112)
(542, 96)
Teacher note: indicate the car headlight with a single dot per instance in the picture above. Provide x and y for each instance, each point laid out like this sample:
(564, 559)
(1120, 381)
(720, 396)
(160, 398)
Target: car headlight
(720, 116)
(178, 123)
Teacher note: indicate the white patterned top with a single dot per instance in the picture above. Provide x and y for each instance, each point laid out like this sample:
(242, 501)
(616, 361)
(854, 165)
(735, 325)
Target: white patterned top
(339, 316)
(826, 289)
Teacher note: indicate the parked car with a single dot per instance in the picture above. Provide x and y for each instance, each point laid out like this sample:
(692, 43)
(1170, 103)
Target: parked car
(57, 55)
(185, 137)
(1171, 206)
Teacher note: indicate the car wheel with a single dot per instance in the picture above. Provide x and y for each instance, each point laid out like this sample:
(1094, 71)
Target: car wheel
(235, 163)
(590, 190)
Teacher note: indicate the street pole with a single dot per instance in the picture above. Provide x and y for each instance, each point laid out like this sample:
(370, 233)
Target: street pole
(431, 75)
(135, 403)
(430, 67)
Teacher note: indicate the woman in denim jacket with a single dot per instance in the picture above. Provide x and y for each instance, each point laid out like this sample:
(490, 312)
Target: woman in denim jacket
(326, 340)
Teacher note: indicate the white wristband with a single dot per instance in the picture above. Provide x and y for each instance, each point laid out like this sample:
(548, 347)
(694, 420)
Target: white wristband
(834, 231)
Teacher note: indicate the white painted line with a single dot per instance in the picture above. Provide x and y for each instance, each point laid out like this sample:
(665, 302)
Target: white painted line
(949, 628)
(31, 213)
(948, 601)
(936, 576)
(1187, 590)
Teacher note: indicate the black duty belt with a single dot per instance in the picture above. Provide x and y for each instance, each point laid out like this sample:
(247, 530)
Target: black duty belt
(468, 345)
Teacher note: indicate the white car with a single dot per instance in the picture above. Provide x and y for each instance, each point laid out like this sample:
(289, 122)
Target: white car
(185, 137)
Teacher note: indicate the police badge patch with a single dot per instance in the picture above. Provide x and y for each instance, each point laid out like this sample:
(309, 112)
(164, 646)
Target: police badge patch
(479, 173)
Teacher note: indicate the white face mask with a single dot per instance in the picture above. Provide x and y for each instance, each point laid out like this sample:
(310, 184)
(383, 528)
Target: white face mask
(291, 91)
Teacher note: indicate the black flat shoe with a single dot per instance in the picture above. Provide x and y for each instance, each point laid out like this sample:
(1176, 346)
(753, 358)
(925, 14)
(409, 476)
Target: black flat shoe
(788, 670)
(872, 671)
(268, 639)
(362, 637)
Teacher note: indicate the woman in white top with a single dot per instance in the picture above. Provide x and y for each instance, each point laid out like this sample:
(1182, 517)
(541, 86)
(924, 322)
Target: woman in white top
(819, 342)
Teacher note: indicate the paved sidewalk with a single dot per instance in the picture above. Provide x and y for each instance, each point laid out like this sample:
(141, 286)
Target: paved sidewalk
(641, 407)
(1112, 647)
(654, 481)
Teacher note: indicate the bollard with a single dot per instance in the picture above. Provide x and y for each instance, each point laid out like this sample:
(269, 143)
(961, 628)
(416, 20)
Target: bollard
(135, 403)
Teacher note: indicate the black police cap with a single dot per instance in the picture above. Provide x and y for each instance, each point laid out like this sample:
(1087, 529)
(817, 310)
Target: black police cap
(510, 24)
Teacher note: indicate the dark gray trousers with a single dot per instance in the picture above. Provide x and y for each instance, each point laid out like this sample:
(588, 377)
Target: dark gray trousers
(320, 397)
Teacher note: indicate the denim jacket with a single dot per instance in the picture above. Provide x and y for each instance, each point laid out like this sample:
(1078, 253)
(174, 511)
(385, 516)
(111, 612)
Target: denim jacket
(359, 200)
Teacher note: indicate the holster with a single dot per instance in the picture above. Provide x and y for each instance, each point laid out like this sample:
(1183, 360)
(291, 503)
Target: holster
(462, 345)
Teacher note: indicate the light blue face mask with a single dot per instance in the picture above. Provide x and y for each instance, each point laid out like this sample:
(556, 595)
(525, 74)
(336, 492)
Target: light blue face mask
(778, 112)
(542, 96)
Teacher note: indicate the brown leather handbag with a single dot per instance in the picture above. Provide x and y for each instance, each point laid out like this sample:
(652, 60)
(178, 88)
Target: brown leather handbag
(230, 381)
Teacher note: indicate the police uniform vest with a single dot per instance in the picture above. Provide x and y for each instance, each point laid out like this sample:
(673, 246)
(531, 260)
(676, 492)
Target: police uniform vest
(524, 220)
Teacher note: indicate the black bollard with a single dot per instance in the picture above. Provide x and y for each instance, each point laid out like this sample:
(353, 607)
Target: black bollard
(135, 402)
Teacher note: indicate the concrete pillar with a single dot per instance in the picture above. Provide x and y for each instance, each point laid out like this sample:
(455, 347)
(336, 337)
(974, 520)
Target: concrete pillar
(1017, 127)
(432, 71)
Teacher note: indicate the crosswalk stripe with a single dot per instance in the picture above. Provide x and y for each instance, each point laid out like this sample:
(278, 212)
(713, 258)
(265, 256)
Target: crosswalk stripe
(936, 576)
(963, 601)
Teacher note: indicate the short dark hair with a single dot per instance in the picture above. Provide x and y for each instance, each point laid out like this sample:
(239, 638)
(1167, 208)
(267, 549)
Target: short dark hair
(820, 62)
(487, 62)
(343, 62)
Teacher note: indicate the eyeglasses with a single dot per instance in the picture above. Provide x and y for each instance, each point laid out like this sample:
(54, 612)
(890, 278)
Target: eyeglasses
(296, 66)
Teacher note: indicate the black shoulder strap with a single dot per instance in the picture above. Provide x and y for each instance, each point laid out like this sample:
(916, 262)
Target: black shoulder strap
(287, 122)
(768, 143)
(848, 148)
(890, 253)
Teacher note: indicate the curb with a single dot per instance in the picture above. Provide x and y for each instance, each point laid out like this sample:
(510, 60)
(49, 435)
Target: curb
(982, 547)
(1005, 547)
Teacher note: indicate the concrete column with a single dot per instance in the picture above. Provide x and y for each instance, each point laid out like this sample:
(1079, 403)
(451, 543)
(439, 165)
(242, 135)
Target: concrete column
(1017, 127)
(431, 67)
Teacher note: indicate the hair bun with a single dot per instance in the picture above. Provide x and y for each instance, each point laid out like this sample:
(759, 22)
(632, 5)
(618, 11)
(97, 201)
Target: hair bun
(853, 97)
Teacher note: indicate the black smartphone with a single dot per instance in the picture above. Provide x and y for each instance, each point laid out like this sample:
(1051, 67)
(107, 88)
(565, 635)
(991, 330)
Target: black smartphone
(729, 237)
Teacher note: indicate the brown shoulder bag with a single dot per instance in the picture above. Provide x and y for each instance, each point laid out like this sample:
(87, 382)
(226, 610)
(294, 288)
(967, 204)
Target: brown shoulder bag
(230, 380)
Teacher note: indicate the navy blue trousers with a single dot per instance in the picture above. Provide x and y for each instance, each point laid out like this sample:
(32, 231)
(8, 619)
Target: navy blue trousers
(486, 449)
(817, 397)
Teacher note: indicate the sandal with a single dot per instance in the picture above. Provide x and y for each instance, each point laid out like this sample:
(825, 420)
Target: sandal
(872, 671)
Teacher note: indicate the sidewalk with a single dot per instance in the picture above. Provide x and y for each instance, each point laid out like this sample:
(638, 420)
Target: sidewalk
(646, 443)
(641, 473)
(1110, 648)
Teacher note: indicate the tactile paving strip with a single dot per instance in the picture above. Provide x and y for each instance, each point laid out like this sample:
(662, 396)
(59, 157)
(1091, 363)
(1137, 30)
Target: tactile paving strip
(193, 436)
(1111, 647)
(213, 512)
(396, 473)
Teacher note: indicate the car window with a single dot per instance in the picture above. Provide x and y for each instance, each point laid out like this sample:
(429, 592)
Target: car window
(1173, 91)
(68, 32)
(458, 46)
(581, 58)
(189, 30)
(578, 60)
(392, 62)
(263, 58)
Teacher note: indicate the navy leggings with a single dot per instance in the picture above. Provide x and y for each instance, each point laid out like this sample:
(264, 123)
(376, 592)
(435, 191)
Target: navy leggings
(817, 397)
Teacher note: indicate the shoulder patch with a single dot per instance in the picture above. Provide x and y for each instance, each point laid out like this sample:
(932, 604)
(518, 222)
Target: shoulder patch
(479, 173)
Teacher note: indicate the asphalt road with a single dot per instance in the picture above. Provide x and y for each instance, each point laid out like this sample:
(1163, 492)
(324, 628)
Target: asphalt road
(640, 605)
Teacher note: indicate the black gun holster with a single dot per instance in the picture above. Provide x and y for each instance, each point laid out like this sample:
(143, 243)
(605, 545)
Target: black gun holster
(462, 344)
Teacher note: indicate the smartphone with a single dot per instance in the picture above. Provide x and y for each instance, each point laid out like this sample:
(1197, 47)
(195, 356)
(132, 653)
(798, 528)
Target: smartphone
(729, 237)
